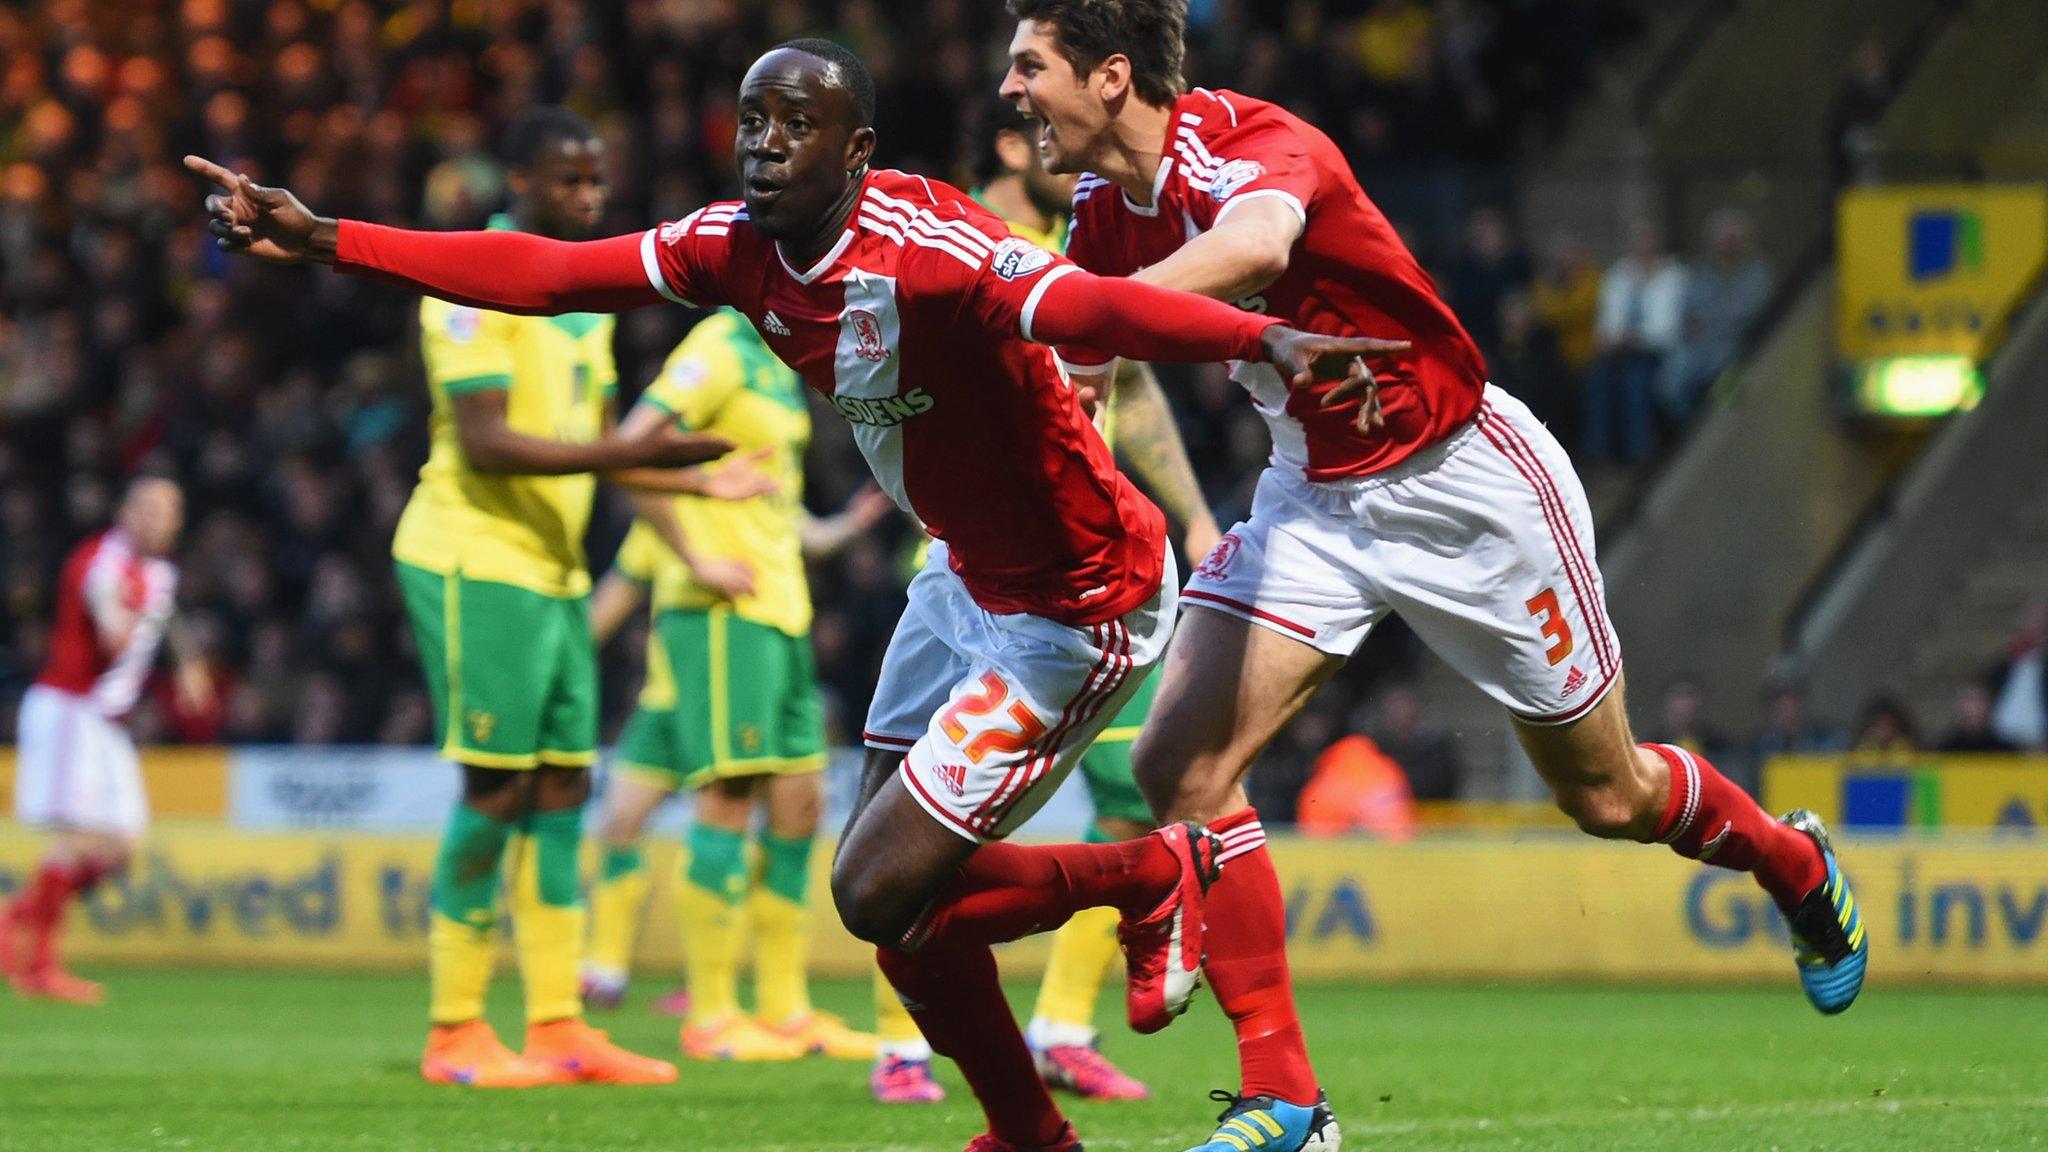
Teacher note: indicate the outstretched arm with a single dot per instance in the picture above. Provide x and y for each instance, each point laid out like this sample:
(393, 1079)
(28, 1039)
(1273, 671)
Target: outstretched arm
(1146, 322)
(502, 271)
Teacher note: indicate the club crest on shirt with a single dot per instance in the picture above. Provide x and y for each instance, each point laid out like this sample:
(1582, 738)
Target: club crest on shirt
(1017, 257)
(867, 335)
(1233, 176)
(1216, 564)
(463, 324)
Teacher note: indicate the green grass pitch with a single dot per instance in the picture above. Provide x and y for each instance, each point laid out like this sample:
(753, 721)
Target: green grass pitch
(222, 1061)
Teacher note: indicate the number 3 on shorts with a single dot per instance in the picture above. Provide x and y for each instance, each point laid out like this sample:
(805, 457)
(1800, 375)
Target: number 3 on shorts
(1551, 622)
(994, 739)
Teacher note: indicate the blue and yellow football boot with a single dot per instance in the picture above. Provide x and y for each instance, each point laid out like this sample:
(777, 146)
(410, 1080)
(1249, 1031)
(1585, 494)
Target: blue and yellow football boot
(1270, 1124)
(1830, 944)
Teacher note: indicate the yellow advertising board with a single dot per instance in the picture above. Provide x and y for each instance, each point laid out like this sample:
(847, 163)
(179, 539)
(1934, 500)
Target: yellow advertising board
(1913, 790)
(183, 783)
(1941, 909)
(1934, 269)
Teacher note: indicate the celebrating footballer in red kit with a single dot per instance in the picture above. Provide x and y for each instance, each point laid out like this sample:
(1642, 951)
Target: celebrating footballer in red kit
(1428, 493)
(1048, 593)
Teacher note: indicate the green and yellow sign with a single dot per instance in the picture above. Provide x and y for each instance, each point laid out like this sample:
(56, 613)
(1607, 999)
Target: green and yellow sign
(1929, 270)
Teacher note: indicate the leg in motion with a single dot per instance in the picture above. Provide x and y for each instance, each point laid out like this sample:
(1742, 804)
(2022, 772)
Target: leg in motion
(1228, 687)
(1617, 789)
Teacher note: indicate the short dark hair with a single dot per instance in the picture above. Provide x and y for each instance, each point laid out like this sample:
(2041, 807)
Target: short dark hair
(541, 127)
(1151, 33)
(859, 81)
(997, 116)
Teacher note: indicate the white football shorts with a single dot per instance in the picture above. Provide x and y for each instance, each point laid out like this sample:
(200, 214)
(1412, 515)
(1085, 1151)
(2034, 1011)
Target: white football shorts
(75, 768)
(992, 711)
(1482, 543)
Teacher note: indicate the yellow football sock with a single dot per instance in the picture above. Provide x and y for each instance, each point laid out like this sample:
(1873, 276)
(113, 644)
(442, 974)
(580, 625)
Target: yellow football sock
(892, 1020)
(459, 958)
(547, 916)
(782, 951)
(710, 899)
(1082, 952)
(461, 947)
(616, 901)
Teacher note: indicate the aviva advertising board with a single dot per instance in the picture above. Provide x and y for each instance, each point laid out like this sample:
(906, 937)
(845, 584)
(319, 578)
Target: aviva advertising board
(1947, 909)
(1934, 269)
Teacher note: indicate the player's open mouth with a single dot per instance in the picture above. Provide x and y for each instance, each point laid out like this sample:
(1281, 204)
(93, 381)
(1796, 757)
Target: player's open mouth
(762, 188)
(1044, 138)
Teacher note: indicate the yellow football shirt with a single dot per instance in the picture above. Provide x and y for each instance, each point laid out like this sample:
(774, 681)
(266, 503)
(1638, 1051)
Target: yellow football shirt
(724, 381)
(557, 373)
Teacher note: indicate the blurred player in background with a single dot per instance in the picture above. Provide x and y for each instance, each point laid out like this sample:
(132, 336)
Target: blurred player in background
(1011, 181)
(1428, 492)
(77, 774)
(490, 561)
(731, 709)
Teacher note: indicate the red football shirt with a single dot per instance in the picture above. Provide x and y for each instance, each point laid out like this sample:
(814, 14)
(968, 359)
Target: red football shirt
(103, 573)
(1349, 274)
(916, 326)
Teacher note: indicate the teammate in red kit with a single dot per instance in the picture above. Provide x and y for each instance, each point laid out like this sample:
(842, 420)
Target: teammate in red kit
(1427, 492)
(1049, 590)
(77, 773)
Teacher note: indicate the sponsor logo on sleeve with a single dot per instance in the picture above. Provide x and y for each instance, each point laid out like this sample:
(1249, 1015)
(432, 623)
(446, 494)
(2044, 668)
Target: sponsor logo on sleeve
(1017, 257)
(1233, 176)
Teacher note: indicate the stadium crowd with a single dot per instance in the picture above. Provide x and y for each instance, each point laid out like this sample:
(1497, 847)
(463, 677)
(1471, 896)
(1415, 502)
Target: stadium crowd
(296, 418)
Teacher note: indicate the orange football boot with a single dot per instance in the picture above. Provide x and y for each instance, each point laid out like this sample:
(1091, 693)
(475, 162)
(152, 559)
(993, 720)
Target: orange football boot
(582, 1053)
(469, 1053)
(54, 983)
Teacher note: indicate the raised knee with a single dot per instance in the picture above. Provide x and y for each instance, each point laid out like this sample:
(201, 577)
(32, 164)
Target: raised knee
(867, 907)
(1608, 812)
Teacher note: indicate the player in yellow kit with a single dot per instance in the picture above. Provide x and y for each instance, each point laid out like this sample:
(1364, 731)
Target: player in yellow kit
(489, 554)
(731, 709)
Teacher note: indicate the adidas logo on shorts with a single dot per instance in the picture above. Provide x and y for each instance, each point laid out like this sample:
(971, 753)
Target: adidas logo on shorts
(954, 777)
(1574, 680)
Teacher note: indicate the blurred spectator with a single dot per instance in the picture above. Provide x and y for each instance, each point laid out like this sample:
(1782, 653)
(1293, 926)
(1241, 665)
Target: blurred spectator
(1566, 296)
(1426, 753)
(1679, 720)
(1885, 729)
(2020, 713)
(1641, 299)
(1489, 266)
(1525, 362)
(1723, 294)
(1969, 725)
(1789, 726)
(1354, 787)
(1859, 108)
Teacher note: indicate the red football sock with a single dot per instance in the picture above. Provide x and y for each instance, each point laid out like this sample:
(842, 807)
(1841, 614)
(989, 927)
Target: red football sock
(1711, 820)
(953, 993)
(41, 906)
(1006, 891)
(1247, 965)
